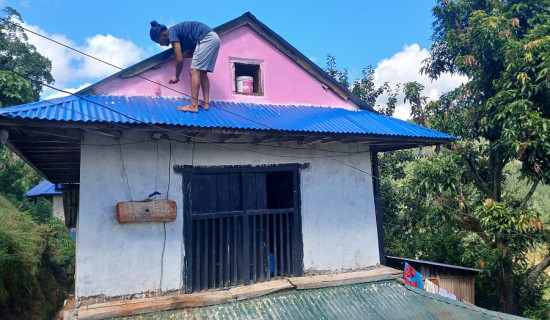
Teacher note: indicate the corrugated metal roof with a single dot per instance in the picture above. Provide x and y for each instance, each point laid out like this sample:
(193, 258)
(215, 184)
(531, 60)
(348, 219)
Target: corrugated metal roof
(42, 189)
(163, 111)
(452, 266)
(375, 300)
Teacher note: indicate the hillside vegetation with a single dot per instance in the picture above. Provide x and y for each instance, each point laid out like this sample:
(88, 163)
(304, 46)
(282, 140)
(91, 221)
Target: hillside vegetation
(36, 261)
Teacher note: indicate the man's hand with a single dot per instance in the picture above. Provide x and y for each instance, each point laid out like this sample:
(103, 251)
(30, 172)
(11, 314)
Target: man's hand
(174, 80)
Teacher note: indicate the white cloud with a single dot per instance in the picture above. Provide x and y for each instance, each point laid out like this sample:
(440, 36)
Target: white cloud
(52, 94)
(70, 67)
(116, 51)
(313, 59)
(403, 67)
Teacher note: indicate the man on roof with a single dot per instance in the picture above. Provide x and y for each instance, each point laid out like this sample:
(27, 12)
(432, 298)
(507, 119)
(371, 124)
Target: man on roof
(204, 43)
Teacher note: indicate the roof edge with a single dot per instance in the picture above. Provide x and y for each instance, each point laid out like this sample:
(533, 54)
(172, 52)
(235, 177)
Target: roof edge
(435, 263)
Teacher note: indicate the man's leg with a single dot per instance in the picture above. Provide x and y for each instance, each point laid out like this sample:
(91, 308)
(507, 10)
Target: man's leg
(195, 84)
(205, 85)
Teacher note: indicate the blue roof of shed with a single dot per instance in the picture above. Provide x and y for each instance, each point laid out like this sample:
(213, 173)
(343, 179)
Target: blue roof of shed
(235, 115)
(42, 189)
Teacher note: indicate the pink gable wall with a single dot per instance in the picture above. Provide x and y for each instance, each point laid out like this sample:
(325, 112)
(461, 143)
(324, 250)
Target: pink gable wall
(285, 82)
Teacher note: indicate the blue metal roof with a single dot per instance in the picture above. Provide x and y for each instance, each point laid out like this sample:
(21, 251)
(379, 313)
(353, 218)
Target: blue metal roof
(236, 115)
(42, 189)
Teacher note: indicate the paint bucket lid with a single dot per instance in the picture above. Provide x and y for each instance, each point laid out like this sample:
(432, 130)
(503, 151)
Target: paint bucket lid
(245, 78)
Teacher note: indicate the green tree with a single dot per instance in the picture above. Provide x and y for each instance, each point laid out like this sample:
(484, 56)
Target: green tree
(501, 114)
(19, 55)
(16, 177)
(413, 94)
(333, 71)
(364, 87)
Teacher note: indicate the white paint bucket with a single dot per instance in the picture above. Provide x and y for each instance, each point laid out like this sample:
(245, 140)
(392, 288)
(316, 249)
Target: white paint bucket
(245, 84)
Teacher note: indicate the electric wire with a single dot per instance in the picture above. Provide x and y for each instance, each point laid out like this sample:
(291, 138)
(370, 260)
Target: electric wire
(144, 78)
(164, 129)
(159, 128)
(438, 230)
(251, 150)
(125, 174)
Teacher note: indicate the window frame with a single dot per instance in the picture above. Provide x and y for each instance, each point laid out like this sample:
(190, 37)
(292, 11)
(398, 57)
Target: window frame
(259, 83)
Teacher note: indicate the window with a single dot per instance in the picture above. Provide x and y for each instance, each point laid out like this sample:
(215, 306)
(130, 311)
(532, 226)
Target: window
(242, 225)
(247, 77)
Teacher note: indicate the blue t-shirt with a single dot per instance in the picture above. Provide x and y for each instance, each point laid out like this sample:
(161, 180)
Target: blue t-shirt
(188, 34)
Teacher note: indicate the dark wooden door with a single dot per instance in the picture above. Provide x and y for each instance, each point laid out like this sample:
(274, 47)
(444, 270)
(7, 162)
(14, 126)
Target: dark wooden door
(242, 225)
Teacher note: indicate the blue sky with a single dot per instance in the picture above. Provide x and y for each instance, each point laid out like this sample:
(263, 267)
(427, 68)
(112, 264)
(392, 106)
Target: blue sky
(358, 33)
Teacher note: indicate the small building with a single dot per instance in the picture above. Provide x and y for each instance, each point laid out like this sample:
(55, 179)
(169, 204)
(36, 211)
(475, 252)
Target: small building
(274, 184)
(457, 280)
(51, 192)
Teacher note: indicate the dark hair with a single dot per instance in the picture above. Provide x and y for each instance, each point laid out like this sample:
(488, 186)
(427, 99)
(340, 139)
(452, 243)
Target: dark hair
(156, 30)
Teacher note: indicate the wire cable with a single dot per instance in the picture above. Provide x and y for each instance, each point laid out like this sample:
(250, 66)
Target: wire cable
(224, 146)
(160, 128)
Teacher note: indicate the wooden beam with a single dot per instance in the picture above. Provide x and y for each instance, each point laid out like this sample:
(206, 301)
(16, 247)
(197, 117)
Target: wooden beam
(115, 134)
(134, 307)
(323, 281)
(75, 135)
(229, 137)
(259, 289)
(22, 156)
(48, 149)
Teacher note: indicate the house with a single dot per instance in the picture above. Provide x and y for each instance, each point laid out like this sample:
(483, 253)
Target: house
(49, 191)
(458, 280)
(270, 185)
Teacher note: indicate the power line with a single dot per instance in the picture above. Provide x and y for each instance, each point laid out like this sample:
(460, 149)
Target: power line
(222, 109)
(144, 78)
(256, 151)
(189, 137)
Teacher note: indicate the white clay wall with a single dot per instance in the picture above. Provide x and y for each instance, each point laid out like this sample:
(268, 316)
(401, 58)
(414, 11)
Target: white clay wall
(337, 207)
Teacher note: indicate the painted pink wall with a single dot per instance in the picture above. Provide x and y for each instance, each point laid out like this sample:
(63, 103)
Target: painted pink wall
(285, 82)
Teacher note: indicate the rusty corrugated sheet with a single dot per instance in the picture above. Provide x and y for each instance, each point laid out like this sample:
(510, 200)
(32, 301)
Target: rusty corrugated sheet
(375, 300)
(163, 111)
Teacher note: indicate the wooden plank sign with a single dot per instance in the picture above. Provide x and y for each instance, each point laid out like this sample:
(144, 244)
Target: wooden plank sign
(146, 211)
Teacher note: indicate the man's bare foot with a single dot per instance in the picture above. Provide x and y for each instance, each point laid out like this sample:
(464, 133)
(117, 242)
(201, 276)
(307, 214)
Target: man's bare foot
(189, 108)
(204, 105)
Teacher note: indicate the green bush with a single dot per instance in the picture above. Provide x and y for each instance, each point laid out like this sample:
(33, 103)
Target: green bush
(36, 261)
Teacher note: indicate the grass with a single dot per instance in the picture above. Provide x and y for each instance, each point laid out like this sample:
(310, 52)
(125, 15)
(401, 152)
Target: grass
(36, 263)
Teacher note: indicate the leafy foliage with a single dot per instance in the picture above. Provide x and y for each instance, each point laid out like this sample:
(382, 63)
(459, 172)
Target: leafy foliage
(36, 251)
(36, 263)
(462, 206)
(16, 177)
(502, 115)
(14, 89)
(17, 54)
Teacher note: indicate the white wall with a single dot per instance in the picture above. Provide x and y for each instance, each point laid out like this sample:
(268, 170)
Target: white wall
(338, 221)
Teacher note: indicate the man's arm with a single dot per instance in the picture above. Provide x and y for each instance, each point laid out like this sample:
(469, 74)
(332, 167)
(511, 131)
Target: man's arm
(178, 57)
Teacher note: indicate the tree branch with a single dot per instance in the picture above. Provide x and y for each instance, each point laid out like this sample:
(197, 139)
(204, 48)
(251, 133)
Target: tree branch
(532, 278)
(529, 194)
(471, 223)
(475, 176)
(497, 176)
